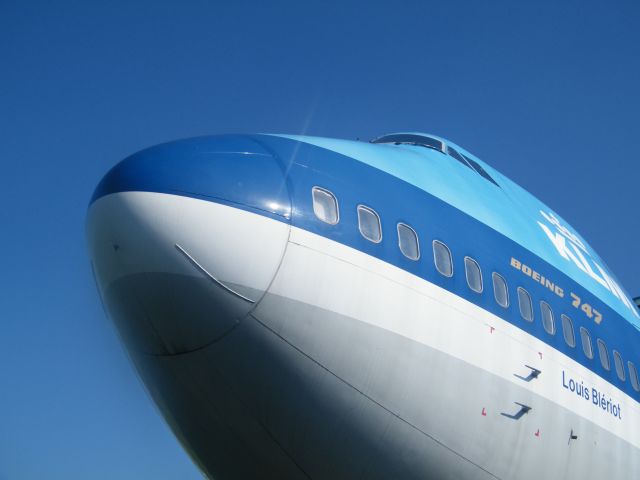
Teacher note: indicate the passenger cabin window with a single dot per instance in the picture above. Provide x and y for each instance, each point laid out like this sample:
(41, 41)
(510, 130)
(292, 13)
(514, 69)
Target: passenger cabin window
(408, 241)
(633, 374)
(617, 361)
(442, 258)
(587, 346)
(604, 355)
(500, 291)
(369, 224)
(547, 318)
(567, 331)
(524, 302)
(325, 205)
(473, 273)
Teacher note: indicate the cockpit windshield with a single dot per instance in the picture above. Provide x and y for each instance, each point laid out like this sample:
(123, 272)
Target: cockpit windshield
(411, 139)
(435, 144)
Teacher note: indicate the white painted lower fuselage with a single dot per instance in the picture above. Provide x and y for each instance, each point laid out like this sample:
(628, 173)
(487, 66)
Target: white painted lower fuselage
(275, 352)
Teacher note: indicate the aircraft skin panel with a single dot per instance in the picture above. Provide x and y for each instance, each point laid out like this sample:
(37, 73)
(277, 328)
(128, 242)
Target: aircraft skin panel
(279, 346)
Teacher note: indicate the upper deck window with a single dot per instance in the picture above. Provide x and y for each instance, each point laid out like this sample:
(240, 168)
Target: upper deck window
(442, 258)
(617, 360)
(478, 168)
(547, 318)
(411, 139)
(604, 355)
(474, 274)
(408, 241)
(587, 346)
(325, 205)
(500, 291)
(369, 224)
(633, 374)
(567, 331)
(524, 302)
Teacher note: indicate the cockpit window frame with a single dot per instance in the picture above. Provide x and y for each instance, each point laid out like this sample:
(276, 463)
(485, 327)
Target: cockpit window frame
(453, 153)
(480, 169)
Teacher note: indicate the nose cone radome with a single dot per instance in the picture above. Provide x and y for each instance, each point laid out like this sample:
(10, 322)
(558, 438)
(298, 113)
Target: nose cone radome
(185, 238)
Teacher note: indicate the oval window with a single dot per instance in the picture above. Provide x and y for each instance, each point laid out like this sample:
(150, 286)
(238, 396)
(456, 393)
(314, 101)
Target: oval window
(633, 373)
(604, 355)
(473, 273)
(587, 346)
(500, 291)
(369, 224)
(325, 205)
(617, 360)
(442, 258)
(408, 241)
(524, 302)
(547, 318)
(567, 331)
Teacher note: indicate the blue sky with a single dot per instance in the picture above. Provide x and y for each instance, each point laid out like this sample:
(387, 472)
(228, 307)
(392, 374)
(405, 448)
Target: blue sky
(546, 92)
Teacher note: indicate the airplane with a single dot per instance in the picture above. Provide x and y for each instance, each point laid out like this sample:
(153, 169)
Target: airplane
(316, 308)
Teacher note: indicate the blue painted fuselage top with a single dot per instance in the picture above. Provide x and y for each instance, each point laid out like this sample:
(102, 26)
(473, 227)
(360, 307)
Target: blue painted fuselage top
(500, 226)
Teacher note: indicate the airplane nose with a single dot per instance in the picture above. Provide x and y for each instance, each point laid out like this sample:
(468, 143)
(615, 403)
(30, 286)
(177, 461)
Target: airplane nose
(185, 238)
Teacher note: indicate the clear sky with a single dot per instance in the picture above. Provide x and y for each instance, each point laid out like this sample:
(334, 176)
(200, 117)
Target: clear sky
(546, 92)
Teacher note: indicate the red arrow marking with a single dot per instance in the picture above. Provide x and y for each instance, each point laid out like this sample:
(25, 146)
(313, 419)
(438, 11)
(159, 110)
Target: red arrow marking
(484, 412)
(537, 434)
